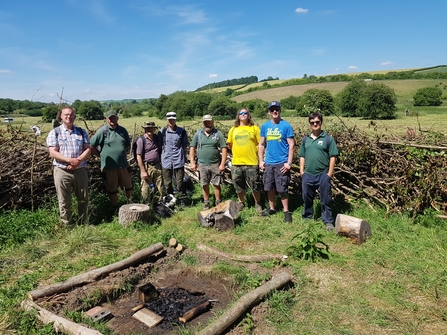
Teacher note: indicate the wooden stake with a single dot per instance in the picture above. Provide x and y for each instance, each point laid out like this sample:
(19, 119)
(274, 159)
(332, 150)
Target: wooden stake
(196, 311)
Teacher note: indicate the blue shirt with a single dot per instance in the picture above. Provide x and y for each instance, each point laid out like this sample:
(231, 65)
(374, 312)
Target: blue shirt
(276, 145)
(172, 143)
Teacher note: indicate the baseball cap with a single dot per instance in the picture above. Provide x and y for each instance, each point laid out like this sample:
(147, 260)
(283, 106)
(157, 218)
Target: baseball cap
(149, 125)
(207, 117)
(171, 116)
(111, 113)
(274, 104)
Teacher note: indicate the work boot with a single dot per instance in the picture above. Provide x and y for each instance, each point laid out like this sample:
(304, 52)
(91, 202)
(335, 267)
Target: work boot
(288, 217)
(330, 226)
(267, 212)
(206, 205)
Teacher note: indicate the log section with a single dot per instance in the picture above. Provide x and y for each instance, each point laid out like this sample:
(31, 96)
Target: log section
(133, 212)
(221, 216)
(356, 229)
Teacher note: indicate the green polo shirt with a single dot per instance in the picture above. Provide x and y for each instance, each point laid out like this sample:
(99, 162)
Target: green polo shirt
(208, 147)
(113, 143)
(316, 153)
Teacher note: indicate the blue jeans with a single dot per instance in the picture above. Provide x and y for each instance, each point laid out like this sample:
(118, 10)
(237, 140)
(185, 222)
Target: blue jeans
(322, 183)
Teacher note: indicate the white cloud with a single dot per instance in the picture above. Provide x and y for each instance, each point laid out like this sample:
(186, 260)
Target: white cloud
(213, 75)
(300, 10)
(5, 71)
(388, 62)
(189, 14)
(352, 67)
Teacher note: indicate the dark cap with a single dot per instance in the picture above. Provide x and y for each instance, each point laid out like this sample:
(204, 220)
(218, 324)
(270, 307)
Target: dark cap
(111, 113)
(149, 124)
(274, 104)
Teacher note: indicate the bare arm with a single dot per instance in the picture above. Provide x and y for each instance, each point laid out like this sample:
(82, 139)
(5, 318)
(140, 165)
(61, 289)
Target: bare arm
(261, 151)
(192, 160)
(332, 161)
(223, 159)
(302, 165)
(288, 165)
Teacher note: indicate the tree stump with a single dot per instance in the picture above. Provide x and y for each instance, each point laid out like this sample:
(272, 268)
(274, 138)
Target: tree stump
(222, 216)
(356, 229)
(133, 212)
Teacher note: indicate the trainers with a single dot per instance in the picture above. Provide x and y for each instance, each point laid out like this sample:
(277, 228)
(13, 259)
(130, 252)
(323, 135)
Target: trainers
(288, 217)
(240, 205)
(217, 202)
(267, 212)
(258, 207)
(330, 226)
(206, 205)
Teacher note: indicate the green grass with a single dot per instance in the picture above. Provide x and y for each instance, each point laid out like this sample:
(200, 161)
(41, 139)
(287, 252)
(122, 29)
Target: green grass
(395, 283)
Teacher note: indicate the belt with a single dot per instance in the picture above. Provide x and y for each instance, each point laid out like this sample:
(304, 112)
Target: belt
(152, 164)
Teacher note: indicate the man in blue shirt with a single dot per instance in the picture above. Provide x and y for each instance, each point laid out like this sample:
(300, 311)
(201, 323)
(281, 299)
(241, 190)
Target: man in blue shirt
(275, 159)
(173, 142)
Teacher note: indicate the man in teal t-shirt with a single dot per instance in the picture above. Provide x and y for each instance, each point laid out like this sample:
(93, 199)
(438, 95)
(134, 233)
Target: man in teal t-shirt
(114, 141)
(211, 155)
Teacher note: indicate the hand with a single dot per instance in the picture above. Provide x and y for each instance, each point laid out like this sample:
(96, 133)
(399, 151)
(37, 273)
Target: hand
(262, 166)
(286, 167)
(221, 167)
(144, 175)
(193, 166)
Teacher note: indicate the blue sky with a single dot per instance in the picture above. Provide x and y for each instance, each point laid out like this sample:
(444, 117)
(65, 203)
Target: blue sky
(133, 49)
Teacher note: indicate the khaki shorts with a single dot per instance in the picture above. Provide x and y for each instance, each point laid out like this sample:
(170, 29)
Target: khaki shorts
(116, 178)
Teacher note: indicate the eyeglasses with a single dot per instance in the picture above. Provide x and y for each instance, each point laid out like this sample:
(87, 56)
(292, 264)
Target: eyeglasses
(315, 123)
(275, 109)
(243, 113)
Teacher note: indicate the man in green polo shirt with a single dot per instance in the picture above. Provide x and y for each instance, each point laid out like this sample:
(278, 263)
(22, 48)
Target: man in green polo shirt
(211, 155)
(318, 153)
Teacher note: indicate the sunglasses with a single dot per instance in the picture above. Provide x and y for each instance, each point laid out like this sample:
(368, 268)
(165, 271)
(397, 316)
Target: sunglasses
(243, 113)
(315, 123)
(276, 109)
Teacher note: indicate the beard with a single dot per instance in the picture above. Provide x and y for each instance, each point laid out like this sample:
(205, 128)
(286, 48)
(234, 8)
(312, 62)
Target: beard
(208, 130)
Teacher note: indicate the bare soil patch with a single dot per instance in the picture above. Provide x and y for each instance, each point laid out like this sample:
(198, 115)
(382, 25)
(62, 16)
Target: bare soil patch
(172, 278)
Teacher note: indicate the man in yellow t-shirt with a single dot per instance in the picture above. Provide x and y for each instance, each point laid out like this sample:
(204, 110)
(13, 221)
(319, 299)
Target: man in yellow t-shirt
(243, 140)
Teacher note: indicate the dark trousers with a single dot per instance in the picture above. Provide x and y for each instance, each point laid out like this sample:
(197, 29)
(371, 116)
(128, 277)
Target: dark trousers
(322, 183)
(178, 174)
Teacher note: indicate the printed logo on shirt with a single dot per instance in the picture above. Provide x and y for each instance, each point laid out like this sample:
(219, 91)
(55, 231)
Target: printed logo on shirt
(320, 142)
(273, 134)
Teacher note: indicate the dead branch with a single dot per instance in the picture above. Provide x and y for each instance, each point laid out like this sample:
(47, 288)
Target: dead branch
(252, 258)
(244, 303)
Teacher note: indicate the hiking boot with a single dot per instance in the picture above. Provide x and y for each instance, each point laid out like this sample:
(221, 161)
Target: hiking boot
(330, 226)
(182, 203)
(258, 207)
(288, 217)
(206, 205)
(240, 206)
(267, 212)
(217, 202)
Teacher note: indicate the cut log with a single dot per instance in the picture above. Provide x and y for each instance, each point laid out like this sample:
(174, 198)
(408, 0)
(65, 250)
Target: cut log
(60, 324)
(356, 229)
(93, 275)
(173, 242)
(221, 216)
(244, 303)
(180, 247)
(248, 258)
(193, 312)
(133, 212)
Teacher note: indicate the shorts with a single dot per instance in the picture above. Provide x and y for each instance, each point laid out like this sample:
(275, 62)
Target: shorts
(116, 178)
(246, 175)
(275, 180)
(209, 174)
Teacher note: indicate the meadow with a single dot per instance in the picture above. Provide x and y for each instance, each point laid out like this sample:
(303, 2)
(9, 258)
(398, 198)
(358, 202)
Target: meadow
(394, 283)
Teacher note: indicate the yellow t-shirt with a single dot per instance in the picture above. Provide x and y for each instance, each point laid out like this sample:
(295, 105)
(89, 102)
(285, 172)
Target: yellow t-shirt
(244, 142)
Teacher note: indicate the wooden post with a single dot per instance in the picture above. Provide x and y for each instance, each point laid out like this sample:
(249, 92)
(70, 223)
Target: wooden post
(222, 216)
(356, 229)
(133, 212)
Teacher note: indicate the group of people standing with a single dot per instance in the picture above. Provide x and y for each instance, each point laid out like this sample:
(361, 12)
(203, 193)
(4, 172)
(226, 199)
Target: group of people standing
(261, 160)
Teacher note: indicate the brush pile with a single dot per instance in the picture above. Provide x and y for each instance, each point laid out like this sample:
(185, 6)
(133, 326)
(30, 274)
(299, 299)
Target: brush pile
(401, 174)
